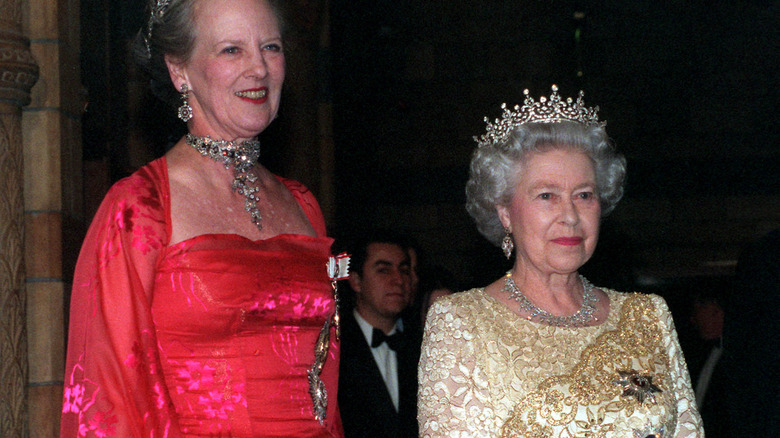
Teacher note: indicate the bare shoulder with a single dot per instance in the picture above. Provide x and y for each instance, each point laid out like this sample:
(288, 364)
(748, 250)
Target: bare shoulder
(280, 202)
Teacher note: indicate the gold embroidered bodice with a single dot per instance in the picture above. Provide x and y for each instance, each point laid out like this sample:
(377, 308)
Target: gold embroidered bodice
(487, 372)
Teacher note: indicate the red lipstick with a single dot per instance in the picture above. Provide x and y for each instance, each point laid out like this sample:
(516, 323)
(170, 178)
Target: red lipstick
(568, 241)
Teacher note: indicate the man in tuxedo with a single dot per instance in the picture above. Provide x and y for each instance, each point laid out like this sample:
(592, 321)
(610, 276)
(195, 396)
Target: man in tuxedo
(703, 357)
(378, 371)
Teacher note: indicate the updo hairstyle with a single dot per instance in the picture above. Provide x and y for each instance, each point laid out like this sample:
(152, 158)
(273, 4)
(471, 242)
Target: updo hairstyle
(497, 168)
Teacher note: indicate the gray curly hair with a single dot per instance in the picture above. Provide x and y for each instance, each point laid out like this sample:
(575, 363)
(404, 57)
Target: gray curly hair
(496, 168)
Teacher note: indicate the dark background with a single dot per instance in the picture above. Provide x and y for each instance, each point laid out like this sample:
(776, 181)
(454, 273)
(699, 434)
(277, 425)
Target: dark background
(689, 90)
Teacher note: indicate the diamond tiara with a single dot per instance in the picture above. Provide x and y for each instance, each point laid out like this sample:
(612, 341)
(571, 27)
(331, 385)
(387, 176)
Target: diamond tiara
(552, 110)
(156, 14)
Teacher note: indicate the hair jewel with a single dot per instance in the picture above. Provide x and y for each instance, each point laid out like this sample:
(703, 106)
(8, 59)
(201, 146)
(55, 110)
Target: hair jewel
(156, 14)
(552, 110)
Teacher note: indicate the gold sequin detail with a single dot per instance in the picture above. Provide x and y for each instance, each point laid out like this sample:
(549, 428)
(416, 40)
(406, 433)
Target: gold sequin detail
(635, 342)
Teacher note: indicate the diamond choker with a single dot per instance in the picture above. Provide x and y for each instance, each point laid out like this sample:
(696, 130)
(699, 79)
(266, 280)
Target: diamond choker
(578, 319)
(242, 157)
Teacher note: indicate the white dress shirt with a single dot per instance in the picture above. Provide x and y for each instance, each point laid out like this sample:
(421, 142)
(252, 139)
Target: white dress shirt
(706, 375)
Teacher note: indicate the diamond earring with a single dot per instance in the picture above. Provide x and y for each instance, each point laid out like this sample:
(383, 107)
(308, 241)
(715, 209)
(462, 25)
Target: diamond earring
(185, 110)
(506, 244)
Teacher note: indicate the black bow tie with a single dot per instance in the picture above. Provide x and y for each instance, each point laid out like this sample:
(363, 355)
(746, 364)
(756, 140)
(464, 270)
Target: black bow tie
(394, 341)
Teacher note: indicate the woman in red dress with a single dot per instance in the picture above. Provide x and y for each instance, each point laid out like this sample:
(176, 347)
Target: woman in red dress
(201, 290)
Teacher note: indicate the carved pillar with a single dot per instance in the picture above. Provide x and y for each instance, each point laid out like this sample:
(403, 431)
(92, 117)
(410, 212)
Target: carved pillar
(18, 73)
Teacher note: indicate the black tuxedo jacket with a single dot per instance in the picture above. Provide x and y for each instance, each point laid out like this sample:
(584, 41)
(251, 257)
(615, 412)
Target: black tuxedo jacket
(714, 410)
(366, 407)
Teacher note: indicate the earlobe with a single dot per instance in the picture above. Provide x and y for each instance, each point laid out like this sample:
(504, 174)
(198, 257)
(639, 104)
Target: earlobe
(354, 281)
(503, 216)
(176, 71)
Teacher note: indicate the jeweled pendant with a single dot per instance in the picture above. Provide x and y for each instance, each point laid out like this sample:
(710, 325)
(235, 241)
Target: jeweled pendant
(242, 157)
(185, 113)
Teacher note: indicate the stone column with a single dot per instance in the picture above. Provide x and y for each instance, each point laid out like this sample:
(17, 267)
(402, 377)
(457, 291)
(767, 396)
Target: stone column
(51, 131)
(18, 73)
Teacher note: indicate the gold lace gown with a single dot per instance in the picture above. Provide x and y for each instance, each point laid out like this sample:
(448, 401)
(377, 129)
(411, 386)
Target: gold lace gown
(487, 372)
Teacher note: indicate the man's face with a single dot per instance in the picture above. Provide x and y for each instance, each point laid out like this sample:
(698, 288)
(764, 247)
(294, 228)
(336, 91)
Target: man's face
(707, 318)
(383, 287)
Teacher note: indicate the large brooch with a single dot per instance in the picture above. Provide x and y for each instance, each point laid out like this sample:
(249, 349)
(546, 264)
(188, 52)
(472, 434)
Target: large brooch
(338, 269)
(639, 386)
(649, 432)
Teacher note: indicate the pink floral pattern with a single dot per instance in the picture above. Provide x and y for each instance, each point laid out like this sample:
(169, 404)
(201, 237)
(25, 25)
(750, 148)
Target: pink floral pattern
(209, 337)
(78, 398)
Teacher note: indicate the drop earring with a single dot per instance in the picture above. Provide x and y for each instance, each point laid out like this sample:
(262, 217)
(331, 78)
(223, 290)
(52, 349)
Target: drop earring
(185, 110)
(506, 244)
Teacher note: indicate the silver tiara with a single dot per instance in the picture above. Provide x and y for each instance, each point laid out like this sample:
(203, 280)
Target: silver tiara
(156, 14)
(552, 110)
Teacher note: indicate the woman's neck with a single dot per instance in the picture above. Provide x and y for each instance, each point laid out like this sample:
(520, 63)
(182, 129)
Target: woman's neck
(559, 294)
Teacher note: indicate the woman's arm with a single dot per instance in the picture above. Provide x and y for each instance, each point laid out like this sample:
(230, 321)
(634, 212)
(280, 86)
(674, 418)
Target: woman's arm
(688, 418)
(453, 397)
(114, 386)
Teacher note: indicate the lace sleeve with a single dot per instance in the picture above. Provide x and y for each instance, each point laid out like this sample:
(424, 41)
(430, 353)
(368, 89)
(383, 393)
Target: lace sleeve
(453, 395)
(113, 382)
(688, 419)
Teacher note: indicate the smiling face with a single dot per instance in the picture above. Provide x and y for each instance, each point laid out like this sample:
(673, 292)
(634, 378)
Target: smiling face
(382, 289)
(554, 212)
(236, 69)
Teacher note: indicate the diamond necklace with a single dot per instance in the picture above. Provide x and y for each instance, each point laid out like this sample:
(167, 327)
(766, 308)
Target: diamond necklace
(242, 157)
(578, 319)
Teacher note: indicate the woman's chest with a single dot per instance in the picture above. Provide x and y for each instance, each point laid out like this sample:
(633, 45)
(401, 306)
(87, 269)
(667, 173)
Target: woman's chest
(225, 292)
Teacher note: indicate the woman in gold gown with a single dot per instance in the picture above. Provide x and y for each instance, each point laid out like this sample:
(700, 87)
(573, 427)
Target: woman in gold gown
(541, 352)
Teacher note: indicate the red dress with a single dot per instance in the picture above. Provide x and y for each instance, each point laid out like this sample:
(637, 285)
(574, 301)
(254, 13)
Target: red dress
(212, 336)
